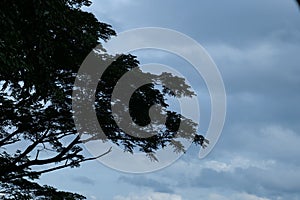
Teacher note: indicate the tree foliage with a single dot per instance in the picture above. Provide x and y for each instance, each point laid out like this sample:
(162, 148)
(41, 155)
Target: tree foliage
(43, 44)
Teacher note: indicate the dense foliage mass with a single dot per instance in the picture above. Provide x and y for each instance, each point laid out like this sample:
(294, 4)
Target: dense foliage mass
(43, 44)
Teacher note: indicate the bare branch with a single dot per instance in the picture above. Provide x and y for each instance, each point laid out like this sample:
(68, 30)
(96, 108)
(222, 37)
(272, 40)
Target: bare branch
(64, 134)
(94, 158)
(67, 165)
(30, 147)
(61, 166)
(10, 136)
(56, 158)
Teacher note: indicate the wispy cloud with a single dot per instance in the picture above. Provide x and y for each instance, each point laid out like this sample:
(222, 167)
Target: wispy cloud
(150, 196)
(84, 180)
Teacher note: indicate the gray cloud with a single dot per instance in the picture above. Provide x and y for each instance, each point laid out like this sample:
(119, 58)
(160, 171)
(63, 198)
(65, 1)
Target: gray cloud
(271, 183)
(144, 181)
(230, 21)
(83, 180)
(255, 44)
(260, 162)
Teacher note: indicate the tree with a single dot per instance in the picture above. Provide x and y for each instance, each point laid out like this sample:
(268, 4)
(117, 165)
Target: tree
(42, 47)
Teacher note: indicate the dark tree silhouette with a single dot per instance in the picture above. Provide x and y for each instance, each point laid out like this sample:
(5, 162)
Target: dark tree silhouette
(43, 44)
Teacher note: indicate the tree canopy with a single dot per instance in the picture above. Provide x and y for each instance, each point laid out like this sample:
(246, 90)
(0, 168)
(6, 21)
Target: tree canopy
(43, 44)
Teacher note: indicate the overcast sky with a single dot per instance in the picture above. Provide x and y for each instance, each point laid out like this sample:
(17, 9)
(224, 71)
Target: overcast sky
(256, 46)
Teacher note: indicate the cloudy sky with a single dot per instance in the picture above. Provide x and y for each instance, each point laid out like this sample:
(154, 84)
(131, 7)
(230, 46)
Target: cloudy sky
(254, 44)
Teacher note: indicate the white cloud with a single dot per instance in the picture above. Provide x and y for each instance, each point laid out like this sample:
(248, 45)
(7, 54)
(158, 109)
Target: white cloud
(245, 196)
(259, 54)
(150, 196)
(273, 141)
(195, 166)
(93, 197)
(237, 162)
(236, 196)
(211, 196)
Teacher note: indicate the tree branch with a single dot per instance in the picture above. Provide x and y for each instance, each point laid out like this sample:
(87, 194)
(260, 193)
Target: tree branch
(4, 141)
(30, 147)
(56, 158)
(61, 166)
